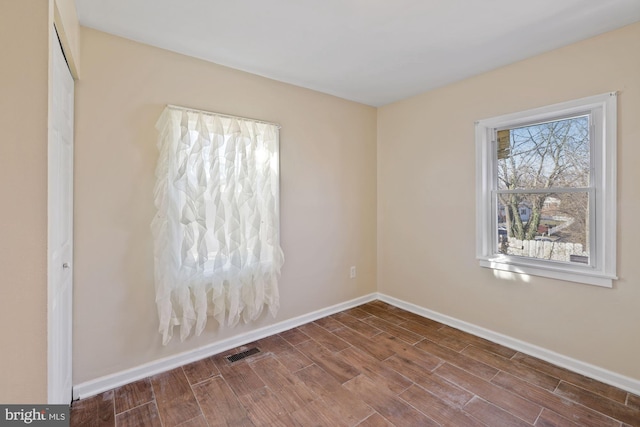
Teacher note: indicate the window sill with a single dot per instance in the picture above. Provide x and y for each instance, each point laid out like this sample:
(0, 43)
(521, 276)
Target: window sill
(568, 274)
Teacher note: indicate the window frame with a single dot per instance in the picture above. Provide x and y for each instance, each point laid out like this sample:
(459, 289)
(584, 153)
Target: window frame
(601, 270)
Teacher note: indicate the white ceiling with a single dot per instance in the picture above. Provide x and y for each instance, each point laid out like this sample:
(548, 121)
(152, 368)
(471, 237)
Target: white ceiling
(371, 51)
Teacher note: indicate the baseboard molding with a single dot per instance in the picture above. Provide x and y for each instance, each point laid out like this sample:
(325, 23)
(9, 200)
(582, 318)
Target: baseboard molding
(612, 378)
(108, 382)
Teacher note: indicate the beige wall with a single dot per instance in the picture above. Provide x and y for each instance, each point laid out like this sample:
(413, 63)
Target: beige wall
(23, 188)
(328, 194)
(426, 200)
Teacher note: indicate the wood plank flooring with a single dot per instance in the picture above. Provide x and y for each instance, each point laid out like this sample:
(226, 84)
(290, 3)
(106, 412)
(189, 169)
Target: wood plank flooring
(374, 365)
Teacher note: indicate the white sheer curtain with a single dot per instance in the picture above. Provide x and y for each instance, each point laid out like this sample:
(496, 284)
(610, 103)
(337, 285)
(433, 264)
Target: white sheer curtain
(216, 233)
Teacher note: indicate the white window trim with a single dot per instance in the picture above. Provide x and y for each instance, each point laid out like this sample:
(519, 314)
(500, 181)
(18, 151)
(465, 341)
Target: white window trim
(602, 270)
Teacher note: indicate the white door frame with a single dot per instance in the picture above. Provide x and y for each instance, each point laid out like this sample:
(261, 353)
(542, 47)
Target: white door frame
(60, 229)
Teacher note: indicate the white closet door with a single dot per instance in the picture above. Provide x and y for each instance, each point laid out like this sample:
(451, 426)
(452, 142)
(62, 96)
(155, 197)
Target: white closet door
(60, 234)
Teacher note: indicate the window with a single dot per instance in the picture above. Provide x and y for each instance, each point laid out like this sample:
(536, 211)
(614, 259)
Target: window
(216, 233)
(546, 191)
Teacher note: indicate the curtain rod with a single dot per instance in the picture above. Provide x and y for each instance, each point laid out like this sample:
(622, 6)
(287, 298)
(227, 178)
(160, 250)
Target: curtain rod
(210, 113)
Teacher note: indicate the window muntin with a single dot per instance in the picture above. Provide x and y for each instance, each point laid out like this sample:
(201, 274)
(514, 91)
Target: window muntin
(552, 170)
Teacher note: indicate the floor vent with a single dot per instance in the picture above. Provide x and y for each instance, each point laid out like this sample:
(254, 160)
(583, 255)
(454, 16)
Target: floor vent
(242, 355)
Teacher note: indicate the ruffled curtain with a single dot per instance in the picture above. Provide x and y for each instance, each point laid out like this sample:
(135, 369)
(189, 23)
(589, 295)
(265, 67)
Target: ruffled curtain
(216, 233)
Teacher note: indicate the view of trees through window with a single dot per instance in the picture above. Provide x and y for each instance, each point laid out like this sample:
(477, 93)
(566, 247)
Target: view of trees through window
(543, 180)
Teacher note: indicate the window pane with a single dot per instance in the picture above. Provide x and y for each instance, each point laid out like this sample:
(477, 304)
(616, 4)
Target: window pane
(548, 226)
(545, 155)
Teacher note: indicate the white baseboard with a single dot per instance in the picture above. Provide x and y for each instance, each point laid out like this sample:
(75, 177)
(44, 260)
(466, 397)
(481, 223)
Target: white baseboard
(108, 382)
(612, 378)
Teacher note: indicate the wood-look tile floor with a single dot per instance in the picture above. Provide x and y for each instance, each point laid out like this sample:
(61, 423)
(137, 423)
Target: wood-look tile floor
(374, 365)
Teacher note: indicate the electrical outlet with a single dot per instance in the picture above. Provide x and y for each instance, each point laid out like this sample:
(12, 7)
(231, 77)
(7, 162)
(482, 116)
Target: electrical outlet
(352, 272)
